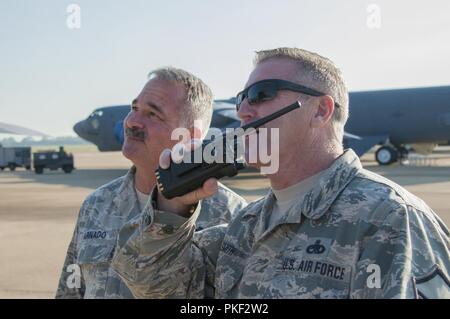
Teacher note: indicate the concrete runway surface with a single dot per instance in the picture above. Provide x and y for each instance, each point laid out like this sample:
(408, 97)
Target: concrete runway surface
(38, 212)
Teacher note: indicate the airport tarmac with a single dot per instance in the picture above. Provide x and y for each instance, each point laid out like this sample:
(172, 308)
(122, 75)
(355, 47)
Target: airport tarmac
(38, 212)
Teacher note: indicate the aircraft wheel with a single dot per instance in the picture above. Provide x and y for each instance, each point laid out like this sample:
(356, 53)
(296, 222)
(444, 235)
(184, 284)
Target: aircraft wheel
(12, 167)
(386, 155)
(38, 169)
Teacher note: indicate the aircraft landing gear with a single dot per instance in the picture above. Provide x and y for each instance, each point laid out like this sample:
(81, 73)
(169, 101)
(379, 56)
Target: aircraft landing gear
(387, 155)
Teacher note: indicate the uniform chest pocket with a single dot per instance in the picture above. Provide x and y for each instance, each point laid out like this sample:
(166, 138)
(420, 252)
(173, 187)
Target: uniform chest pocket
(94, 259)
(95, 253)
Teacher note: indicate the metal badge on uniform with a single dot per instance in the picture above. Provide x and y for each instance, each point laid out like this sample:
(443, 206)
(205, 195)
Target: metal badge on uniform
(317, 247)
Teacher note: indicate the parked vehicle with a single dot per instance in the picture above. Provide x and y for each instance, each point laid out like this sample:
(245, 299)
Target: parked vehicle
(13, 157)
(53, 160)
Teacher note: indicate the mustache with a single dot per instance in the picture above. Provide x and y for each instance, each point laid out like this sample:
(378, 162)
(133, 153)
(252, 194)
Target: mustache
(134, 132)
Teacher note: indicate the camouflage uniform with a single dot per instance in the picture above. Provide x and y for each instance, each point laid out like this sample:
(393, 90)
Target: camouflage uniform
(355, 235)
(101, 217)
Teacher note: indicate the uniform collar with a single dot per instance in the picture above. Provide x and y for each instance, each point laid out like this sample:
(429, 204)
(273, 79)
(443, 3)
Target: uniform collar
(318, 200)
(128, 182)
(126, 197)
(330, 185)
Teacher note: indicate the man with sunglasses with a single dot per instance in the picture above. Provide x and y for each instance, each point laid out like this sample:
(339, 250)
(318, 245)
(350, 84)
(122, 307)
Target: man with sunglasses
(327, 228)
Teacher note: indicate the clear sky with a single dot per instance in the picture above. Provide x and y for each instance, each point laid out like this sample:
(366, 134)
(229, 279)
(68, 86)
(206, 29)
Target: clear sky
(52, 76)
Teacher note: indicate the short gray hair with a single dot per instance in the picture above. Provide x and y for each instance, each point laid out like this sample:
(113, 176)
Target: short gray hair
(323, 76)
(198, 98)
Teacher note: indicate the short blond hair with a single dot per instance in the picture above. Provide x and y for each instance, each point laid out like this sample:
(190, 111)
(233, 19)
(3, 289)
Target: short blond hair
(322, 75)
(198, 98)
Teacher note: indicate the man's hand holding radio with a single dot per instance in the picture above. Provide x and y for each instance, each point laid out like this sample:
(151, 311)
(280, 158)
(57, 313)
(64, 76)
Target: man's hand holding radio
(183, 205)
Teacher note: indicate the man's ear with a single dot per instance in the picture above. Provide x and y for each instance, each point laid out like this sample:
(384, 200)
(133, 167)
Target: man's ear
(323, 112)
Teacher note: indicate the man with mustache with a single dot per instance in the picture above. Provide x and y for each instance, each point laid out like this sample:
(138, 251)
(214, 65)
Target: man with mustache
(172, 98)
(327, 228)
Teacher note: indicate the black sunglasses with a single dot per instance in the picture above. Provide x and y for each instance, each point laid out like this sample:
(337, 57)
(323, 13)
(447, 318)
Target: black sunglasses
(267, 90)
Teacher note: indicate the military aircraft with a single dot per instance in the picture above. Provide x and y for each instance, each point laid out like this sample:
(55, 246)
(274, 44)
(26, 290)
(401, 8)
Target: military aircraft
(399, 120)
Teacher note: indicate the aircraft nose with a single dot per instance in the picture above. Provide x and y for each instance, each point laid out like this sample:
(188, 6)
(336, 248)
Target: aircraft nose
(79, 129)
(82, 130)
